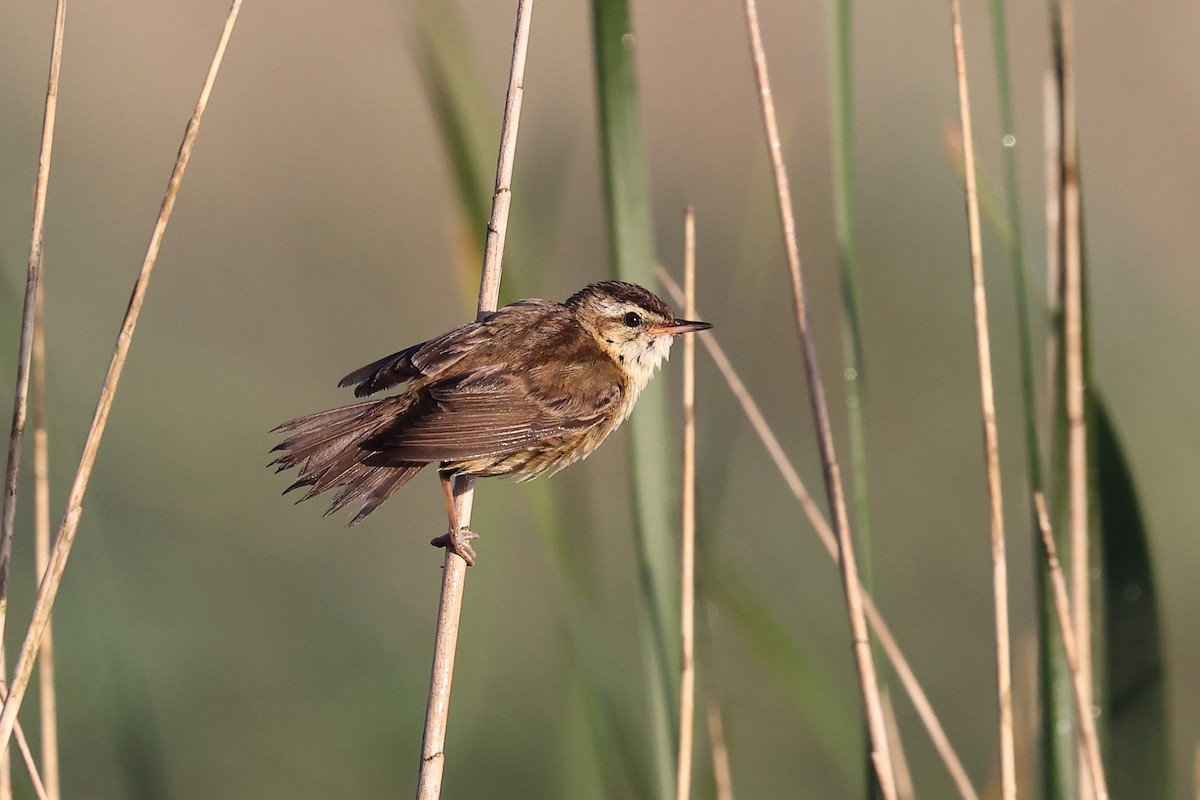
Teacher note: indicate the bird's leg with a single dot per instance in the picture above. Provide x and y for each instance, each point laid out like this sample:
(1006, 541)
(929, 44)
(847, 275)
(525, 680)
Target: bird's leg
(458, 539)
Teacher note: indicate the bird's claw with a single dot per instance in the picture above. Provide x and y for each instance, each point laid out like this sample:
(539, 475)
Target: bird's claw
(458, 542)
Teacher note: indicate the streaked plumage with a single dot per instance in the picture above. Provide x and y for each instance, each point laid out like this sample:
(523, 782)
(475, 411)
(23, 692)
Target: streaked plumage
(524, 391)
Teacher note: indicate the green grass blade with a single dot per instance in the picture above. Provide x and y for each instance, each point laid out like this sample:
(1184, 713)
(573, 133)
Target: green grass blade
(450, 78)
(842, 145)
(842, 142)
(1059, 758)
(631, 250)
(467, 131)
(1016, 246)
(1133, 698)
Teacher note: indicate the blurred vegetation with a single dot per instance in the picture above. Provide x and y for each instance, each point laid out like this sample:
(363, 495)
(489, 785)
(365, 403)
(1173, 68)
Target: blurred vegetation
(331, 215)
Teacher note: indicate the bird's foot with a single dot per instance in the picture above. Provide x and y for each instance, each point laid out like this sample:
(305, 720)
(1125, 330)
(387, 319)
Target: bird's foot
(458, 542)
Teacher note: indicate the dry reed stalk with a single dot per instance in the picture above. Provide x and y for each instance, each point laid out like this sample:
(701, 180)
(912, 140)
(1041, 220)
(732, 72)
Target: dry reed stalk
(852, 588)
(904, 781)
(5, 761)
(1052, 144)
(1073, 363)
(722, 772)
(33, 278)
(24, 359)
(821, 527)
(687, 615)
(48, 590)
(1089, 741)
(39, 788)
(991, 443)
(47, 695)
(454, 568)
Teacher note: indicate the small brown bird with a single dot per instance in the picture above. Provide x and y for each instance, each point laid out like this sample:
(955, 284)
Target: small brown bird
(524, 391)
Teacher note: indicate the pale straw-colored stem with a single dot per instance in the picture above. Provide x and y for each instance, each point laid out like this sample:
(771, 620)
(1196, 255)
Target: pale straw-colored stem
(35, 777)
(47, 695)
(790, 476)
(1052, 143)
(1073, 363)
(454, 568)
(5, 761)
(991, 441)
(1088, 739)
(687, 571)
(722, 772)
(904, 781)
(12, 469)
(48, 590)
(863, 658)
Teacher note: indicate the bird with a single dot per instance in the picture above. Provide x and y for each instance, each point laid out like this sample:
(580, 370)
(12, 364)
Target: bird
(521, 392)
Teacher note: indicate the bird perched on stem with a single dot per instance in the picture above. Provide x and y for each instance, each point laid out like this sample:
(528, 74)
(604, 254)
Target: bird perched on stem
(523, 391)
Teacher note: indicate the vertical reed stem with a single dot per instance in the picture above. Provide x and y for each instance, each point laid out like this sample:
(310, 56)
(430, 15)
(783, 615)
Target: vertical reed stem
(1089, 741)
(41, 478)
(25, 352)
(437, 709)
(1008, 770)
(1077, 499)
(687, 616)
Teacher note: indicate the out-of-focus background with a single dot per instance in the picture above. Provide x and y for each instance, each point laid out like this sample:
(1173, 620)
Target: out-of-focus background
(213, 640)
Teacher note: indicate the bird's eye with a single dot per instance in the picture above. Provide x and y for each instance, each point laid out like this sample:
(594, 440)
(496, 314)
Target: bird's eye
(633, 319)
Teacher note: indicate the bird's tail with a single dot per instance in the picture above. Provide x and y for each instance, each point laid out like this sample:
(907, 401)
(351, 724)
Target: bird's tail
(329, 450)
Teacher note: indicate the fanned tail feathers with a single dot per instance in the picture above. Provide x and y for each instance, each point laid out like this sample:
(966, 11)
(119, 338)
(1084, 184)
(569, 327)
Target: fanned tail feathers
(327, 448)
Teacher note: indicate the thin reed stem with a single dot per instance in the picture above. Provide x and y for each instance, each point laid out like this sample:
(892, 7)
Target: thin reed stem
(454, 568)
(12, 469)
(886, 641)
(722, 772)
(687, 605)
(1088, 739)
(48, 590)
(1052, 153)
(47, 695)
(1073, 361)
(35, 777)
(991, 443)
(864, 661)
(904, 781)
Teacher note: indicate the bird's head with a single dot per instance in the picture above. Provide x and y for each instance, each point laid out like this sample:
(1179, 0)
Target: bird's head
(631, 324)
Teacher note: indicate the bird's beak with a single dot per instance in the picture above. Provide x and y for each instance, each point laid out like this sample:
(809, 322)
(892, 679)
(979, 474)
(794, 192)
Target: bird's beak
(680, 326)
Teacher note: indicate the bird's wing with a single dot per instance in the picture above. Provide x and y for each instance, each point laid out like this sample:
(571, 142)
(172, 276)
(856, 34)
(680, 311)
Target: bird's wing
(436, 356)
(485, 414)
(385, 373)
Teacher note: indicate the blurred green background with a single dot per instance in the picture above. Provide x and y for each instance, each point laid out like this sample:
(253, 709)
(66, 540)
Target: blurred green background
(215, 641)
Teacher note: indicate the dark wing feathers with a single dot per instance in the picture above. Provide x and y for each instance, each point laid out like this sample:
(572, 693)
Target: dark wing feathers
(327, 450)
(439, 356)
(385, 373)
(479, 415)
